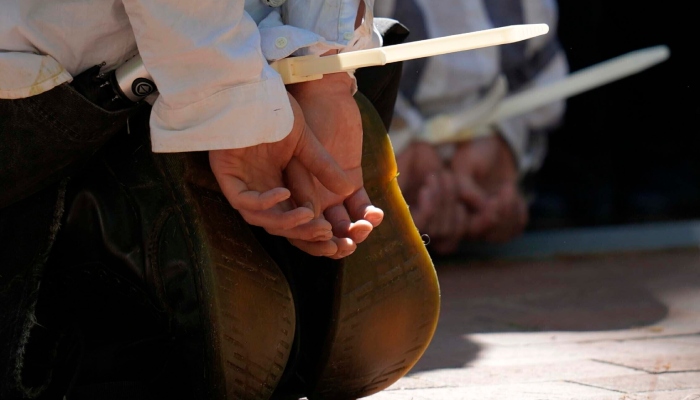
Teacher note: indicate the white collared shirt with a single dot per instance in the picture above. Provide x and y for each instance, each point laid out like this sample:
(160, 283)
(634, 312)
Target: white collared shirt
(457, 82)
(208, 58)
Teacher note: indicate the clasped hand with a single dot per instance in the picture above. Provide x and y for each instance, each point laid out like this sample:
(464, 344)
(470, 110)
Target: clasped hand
(307, 187)
(474, 196)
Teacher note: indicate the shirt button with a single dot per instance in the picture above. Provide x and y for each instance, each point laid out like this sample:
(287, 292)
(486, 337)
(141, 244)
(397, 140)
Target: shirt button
(273, 3)
(348, 35)
(281, 42)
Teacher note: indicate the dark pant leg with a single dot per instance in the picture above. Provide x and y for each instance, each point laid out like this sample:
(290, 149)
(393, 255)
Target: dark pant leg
(44, 137)
(381, 84)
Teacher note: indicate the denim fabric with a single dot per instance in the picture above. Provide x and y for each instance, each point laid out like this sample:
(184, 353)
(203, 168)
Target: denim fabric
(44, 137)
(27, 231)
(381, 84)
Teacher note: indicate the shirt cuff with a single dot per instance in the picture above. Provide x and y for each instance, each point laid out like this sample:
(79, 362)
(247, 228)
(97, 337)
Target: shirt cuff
(280, 41)
(333, 22)
(236, 117)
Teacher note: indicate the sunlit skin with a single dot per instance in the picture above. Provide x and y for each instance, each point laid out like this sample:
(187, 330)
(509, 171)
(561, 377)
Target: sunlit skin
(307, 187)
(332, 114)
(252, 180)
(487, 167)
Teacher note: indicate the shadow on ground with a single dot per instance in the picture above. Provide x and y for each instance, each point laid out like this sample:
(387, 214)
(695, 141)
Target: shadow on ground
(579, 294)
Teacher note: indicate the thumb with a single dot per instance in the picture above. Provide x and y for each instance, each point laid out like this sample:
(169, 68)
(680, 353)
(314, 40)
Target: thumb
(301, 185)
(473, 195)
(427, 203)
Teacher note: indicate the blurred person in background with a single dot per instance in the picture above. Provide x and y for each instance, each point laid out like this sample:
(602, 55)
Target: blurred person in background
(471, 190)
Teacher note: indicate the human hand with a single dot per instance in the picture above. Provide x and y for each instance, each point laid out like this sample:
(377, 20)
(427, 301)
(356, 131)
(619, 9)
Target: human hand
(430, 189)
(486, 166)
(419, 166)
(251, 178)
(331, 112)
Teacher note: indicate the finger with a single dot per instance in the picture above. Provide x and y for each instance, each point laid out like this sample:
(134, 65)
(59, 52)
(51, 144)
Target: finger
(318, 230)
(345, 247)
(481, 221)
(339, 218)
(422, 210)
(321, 164)
(301, 184)
(278, 219)
(448, 207)
(491, 233)
(360, 207)
(344, 228)
(420, 213)
(449, 244)
(445, 246)
(360, 230)
(473, 195)
(434, 223)
(318, 249)
(237, 193)
(500, 232)
(461, 221)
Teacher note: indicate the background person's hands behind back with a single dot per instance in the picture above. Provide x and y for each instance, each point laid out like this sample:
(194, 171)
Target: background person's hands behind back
(430, 190)
(485, 166)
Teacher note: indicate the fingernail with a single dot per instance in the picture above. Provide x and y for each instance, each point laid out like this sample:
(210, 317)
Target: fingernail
(309, 205)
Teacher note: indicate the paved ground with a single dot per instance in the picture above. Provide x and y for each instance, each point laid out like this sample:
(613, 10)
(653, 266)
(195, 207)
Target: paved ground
(623, 327)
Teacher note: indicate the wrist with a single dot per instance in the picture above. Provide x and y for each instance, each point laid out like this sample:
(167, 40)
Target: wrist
(506, 153)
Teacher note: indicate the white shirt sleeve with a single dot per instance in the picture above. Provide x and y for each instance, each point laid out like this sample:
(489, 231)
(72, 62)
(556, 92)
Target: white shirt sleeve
(335, 22)
(527, 134)
(281, 41)
(313, 27)
(209, 62)
(216, 88)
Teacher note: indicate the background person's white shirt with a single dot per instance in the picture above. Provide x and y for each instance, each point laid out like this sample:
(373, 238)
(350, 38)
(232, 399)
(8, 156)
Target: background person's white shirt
(456, 82)
(207, 57)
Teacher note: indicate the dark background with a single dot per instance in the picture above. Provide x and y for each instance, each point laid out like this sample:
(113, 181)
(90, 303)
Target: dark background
(627, 152)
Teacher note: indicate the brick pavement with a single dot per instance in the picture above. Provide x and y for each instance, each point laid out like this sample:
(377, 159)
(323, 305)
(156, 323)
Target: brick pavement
(622, 327)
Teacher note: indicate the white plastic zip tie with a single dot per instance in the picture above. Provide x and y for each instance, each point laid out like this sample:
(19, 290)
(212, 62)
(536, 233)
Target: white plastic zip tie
(576, 83)
(442, 128)
(307, 68)
(582, 80)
